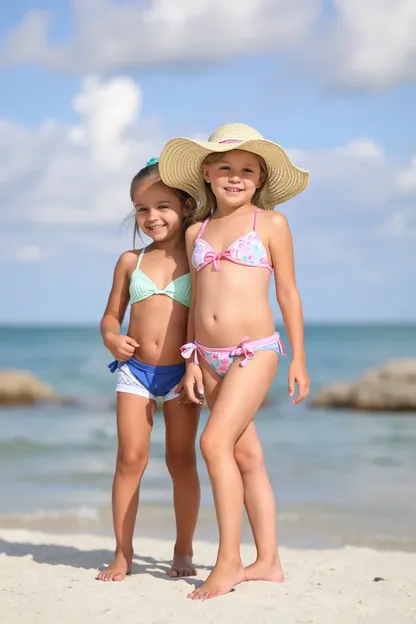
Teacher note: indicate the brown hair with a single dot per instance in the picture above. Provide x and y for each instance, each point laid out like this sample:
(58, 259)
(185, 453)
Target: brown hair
(153, 172)
(208, 202)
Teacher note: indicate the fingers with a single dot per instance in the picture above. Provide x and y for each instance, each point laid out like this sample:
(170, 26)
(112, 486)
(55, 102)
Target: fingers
(127, 348)
(124, 355)
(132, 342)
(199, 382)
(190, 391)
(291, 386)
(180, 387)
(303, 391)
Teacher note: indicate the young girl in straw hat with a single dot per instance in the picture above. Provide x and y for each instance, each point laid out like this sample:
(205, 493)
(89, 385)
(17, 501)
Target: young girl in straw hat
(238, 178)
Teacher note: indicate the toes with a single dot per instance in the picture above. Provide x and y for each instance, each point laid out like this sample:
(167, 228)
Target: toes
(111, 576)
(182, 572)
(118, 576)
(101, 576)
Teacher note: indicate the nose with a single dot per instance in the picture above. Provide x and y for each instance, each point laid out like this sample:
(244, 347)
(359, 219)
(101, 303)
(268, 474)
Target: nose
(234, 177)
(152, 216)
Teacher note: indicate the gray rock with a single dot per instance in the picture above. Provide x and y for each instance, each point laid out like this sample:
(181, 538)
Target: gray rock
(391, 387)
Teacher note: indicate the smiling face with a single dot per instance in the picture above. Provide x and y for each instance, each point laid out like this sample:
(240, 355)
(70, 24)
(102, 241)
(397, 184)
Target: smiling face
(159, 211)
(234, 177)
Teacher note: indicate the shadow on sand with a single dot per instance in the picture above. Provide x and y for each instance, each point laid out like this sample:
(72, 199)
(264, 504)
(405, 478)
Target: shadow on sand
(53, 554)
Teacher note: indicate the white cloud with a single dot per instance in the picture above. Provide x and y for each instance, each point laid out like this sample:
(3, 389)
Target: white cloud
(365, 44)
(82, 173)
(399, 225)
(407, 179)
(112, 37)
(370, 44)
(355, 175)
(69, 185)
(30, 253)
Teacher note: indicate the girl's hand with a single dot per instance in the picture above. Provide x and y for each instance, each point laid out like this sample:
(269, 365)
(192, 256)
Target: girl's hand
(180, 389)
(122, 347)
(298, 375)
(194, 385)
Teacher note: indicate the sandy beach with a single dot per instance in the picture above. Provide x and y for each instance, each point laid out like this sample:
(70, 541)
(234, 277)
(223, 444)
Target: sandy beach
(50, 578)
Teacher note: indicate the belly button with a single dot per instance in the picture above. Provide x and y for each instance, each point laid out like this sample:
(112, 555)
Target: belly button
(215, 317)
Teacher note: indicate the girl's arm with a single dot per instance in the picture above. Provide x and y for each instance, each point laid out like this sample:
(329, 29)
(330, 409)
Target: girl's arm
(288, 298)
(122, 347)
(193, 376)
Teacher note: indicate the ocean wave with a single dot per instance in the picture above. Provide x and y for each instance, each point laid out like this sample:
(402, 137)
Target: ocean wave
(25, 447)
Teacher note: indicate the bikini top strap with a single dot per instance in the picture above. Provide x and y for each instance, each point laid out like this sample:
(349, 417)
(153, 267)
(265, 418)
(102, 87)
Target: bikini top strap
(201, 229)
(140, 257)
(255, 219)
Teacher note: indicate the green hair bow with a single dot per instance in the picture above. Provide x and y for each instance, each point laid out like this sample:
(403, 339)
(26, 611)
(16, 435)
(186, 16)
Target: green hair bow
(152, 161)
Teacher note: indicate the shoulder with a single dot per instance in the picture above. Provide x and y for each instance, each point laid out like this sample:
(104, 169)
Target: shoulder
(275, 221)
(128, 259)
(192, 232)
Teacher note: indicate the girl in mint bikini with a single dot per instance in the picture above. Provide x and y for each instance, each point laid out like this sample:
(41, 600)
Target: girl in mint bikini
(148, 362)
(238, 178)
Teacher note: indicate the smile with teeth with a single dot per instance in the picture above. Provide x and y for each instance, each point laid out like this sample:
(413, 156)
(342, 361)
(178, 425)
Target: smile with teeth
(155, 227)
(231, 189)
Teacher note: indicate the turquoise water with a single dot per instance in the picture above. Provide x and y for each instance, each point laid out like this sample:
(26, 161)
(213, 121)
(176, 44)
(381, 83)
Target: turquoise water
(335, 474)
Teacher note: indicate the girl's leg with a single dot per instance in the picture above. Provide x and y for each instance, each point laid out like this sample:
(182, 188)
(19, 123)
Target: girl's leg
(134, 425)
(181, 429)
(241, 394)
(260, 506)
(258, 493)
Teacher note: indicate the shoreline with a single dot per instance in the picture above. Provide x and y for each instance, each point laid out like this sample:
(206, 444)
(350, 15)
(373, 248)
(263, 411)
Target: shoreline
(297, 528)
(47, 577)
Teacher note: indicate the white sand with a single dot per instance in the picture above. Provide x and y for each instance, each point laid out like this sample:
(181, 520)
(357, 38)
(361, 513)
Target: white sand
(50, 579)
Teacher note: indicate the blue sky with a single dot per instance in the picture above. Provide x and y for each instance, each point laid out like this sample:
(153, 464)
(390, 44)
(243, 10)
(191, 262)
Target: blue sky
(91, 90)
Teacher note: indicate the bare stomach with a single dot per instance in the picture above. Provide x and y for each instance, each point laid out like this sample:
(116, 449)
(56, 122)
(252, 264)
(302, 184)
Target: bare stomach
(231, 307)
(159, 325)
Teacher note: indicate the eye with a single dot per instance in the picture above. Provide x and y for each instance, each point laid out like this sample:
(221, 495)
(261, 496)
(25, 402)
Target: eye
(141, 209)
(248, 170)
(224, 167)
(163, 207)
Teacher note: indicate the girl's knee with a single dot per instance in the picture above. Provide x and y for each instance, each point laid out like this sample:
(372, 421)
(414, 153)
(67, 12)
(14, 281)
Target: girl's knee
(132, 460)
(180, 460)
(249, 458)
(214, 446)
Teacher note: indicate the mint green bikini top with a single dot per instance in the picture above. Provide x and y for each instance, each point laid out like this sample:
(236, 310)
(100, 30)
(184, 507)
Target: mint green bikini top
(141, 287)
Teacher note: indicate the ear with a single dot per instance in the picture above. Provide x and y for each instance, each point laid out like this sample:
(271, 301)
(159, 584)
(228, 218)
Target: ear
(205, 173)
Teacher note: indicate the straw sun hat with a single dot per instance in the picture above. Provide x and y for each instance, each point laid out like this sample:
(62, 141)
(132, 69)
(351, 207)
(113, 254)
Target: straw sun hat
(181, 160)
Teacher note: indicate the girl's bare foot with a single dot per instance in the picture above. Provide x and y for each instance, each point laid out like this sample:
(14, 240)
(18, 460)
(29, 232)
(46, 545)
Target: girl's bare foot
(265, 570)
(223, 578)
(118, 570)
(182, 566)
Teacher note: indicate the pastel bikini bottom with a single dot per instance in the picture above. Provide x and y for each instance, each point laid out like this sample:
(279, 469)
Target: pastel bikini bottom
(220, 359)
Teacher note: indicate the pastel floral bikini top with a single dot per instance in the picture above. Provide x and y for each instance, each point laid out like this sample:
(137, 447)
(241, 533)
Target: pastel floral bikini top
(247, 250)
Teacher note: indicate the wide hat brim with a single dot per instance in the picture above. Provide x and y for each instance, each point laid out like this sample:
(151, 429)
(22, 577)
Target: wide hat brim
(180, 166)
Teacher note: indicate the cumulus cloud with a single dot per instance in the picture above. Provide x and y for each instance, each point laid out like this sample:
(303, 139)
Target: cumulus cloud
(30, 253)
(361, 45)
(110, 36)
(358, 177)
(66, 186)
(80, 173)
(407, 179)
(369, 44)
